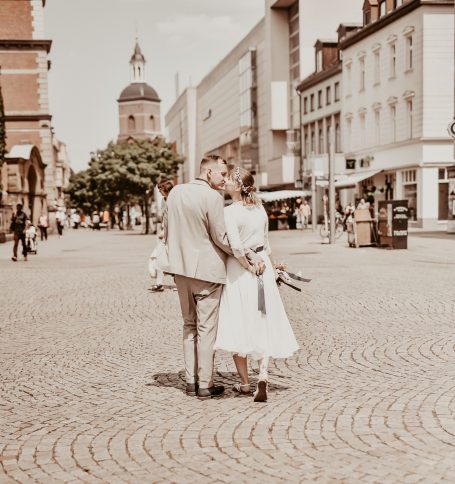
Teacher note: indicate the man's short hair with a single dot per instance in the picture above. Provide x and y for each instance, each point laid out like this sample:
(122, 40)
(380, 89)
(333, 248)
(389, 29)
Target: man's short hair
(210, 160)
(19, 206)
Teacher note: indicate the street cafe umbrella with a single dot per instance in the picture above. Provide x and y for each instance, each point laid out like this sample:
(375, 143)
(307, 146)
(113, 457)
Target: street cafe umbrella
(282, 195)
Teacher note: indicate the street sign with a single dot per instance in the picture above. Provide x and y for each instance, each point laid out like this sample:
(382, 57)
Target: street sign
(451, 129)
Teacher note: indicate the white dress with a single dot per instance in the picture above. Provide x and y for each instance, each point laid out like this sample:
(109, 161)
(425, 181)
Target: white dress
(242, 328)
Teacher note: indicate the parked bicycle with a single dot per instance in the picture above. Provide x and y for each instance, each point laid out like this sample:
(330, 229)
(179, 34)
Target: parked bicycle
(324, 231)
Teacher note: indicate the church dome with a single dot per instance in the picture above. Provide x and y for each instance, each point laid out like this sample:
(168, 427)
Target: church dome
(139, 91)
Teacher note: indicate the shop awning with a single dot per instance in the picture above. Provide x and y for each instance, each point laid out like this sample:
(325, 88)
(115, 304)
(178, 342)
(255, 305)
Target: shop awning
(282, 195)
(347, 181)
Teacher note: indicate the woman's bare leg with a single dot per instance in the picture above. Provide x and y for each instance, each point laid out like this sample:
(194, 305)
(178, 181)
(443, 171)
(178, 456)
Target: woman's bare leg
(241, 364)
(263, 368)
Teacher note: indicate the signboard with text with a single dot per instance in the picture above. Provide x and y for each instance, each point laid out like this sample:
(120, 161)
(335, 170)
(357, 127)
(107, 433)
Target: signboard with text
(393, 223)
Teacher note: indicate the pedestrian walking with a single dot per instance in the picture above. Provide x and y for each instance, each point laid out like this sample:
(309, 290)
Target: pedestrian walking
(18, 226)
(43, 224)
(60, 218)
(305, 213)
(164, 188)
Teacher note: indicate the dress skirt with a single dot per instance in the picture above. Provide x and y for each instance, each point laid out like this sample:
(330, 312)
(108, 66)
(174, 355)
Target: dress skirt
(242, 328)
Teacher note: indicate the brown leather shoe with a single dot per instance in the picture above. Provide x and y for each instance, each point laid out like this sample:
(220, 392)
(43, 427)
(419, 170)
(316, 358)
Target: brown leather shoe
(191, 389)
(206, 393)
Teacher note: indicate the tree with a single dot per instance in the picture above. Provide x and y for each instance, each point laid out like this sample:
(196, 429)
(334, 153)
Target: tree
(125, 172)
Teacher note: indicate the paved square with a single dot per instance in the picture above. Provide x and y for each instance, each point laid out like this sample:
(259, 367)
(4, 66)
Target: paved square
(91, 370)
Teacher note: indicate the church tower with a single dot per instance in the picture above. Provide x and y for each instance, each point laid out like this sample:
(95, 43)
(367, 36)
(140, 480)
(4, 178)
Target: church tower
(139, 104)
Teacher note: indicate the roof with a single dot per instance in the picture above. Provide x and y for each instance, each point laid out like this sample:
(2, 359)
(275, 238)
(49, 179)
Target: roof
(137, 55)
(138, 91)
(282, 195)
(24, 152)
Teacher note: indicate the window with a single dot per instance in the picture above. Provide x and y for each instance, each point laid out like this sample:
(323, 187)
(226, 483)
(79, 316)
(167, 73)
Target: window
(377, 126)
(393, 60)
(327, 138)
(152, 123)
(337, 91)
(377, 67)
(409, 180)
(312, 102)
(337, 138)
(397, 3)
(393, 122)
(409, 53)
(320, 141)
(363, 128)
(348, 133)
(313, 142)
(131, 124)
(362, 73)
(307, 145)
(366, 17)
(320, 99)
(305, 105)
(348, 79)
(409, 116)
(382, 8)
(328, 95)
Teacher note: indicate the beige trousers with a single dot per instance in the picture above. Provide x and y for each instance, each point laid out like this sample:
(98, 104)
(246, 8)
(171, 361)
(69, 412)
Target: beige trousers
(199, 302)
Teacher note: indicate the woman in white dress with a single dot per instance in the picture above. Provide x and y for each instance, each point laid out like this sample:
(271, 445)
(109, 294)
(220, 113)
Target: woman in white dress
(250, 323)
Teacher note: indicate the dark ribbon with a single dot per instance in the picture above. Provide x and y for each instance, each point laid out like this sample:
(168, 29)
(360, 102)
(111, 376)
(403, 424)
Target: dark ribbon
(261, 295)
(285, 278)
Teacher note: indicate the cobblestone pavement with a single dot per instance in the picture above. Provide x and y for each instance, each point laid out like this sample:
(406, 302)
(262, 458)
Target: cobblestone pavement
(92, 381)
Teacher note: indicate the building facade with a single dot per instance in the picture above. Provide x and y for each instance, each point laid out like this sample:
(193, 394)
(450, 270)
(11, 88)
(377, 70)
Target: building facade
(138, 104)
(29, 175)
(397, 100)
(247, 107)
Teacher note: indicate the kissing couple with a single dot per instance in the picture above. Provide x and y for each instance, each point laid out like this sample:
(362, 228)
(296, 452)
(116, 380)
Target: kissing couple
(225, 280)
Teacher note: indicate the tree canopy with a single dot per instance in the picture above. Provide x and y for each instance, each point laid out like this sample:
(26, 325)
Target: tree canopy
(123, 172)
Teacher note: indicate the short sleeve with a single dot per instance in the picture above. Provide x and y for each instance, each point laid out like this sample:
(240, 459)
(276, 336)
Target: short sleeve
(233, 233)
(267, 248)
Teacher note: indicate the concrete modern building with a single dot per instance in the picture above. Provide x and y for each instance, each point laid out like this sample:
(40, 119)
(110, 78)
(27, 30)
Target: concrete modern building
(139, 104)
(397, 100)
(30, 172)
(247, 107)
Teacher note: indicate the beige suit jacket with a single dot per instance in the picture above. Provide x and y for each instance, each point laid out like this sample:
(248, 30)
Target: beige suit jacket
(195, 232)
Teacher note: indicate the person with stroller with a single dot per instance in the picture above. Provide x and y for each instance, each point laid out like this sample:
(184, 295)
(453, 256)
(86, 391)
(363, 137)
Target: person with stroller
(30, 237)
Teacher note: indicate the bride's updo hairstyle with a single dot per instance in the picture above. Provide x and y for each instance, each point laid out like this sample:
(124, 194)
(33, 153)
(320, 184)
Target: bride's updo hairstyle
(245, 181)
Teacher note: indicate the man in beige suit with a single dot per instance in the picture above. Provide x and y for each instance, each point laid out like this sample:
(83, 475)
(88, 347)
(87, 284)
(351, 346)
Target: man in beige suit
(198, 246)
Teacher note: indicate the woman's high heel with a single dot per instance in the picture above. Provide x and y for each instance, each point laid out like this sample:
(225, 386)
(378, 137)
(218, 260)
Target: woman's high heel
(242, 388)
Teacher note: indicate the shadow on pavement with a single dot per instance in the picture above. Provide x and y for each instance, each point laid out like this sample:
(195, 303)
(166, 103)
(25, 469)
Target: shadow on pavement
(177, 380)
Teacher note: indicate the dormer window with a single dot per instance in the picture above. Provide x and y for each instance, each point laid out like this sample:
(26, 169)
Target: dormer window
(397, 3)
(382, 8)
(366, 17)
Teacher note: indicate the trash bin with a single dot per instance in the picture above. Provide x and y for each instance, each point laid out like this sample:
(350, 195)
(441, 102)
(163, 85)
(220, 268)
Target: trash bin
(360, 231)
(393, 224)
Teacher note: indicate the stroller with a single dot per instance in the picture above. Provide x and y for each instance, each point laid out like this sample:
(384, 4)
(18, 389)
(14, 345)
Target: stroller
(31, 240)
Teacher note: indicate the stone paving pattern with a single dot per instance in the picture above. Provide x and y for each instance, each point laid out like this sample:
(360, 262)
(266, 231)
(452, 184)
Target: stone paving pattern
(92, 375)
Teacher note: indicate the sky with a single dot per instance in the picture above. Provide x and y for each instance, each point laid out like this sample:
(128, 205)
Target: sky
(93, 41)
